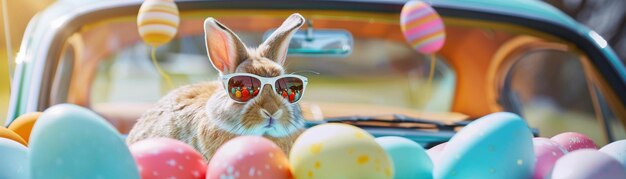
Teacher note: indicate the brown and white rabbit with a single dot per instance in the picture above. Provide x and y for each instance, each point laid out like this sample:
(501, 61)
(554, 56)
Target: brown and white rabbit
(204, 116)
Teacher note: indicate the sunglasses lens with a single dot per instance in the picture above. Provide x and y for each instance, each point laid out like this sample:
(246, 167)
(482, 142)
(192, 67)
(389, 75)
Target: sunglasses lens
(243, 88)
(291, 88)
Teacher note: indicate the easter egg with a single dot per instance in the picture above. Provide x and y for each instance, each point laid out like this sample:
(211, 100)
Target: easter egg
(573, 141)
(339, 151)
(547, 152)
(498, 145)
(587, 164)
(69, 141)
(158, 21)
(616, 150)
(435, 152)
(409, 158)
(23, 124)
(14, 157)
(248, 157)
(422, 27)
(168, 158)
(9, 134)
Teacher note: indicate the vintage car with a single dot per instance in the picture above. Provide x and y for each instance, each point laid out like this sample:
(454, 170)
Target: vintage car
(524, 57)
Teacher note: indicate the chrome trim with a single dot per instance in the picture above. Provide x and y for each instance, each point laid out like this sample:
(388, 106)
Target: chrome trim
(16, 82)
(58, 28)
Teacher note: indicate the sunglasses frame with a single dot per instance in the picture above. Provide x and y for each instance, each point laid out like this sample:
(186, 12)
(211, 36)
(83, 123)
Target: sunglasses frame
(264, 80)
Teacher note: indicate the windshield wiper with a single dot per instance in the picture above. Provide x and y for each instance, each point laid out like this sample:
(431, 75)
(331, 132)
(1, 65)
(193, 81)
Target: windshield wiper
(394, 121)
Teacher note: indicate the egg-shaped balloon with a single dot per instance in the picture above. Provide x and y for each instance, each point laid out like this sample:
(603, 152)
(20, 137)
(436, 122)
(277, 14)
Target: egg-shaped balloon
(165, 157)
(573, 141)
(616, 150)
(248, 157)
(587, 164)
(14, 157)
(409, 158)
(23, 124)
(69, 141)
(158, 21)
(339, 151)
(422, 27)
(498, 145)
(547, 152)
(9, 134)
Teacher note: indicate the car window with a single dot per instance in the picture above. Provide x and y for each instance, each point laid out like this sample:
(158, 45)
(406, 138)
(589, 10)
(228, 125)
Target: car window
(381, 71)
(543, 78)
(613, 124)
(554, 95)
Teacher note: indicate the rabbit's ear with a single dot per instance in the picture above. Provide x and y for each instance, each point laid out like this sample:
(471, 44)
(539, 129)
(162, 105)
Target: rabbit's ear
(225, 49)
(275, 47)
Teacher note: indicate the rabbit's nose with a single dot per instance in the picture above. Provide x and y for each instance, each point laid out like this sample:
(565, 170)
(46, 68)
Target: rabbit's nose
(269, 100)
(275, 115)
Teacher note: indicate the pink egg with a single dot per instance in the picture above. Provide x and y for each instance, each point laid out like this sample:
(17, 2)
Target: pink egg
(547, 152)
(587, 164)
(435, 152)
(168, 158)
(422, 27)
(249, 157)
(573, 141)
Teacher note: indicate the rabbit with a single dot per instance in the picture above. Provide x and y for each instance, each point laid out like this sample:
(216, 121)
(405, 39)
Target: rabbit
(205, 117)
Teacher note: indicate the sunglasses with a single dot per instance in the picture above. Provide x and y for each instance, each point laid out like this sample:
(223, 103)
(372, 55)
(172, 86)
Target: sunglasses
(242, 87)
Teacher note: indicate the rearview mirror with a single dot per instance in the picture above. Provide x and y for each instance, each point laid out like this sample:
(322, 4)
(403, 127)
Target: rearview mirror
(319, 42)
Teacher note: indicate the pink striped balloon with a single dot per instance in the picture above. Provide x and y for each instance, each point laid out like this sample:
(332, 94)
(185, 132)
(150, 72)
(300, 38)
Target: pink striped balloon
(422, 27)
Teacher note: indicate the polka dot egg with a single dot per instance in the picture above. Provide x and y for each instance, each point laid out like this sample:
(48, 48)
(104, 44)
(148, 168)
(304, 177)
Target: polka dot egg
(158, 21)
(339, 151)
(249, 157)
(167, 158)
(574, 141)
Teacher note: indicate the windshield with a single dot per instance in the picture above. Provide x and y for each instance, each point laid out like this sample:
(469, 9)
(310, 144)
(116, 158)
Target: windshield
(382, 70)
(475, 72)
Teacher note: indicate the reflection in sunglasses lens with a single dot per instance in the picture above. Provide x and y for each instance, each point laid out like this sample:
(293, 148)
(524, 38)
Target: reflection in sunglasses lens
(243, 88)
(290, 88)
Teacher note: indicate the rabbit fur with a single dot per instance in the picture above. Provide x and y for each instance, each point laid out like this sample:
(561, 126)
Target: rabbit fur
(204, 116)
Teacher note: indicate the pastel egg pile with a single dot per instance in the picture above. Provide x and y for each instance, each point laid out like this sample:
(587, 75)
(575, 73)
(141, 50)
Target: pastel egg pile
(68, 141)
(500, 145)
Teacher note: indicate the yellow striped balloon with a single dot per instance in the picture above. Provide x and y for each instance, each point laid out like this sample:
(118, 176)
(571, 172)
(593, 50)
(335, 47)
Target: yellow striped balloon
(158, 21)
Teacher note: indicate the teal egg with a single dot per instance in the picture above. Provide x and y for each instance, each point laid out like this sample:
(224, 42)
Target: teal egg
(69, 141)
(498, 145)
(409, 158)
(13, 160)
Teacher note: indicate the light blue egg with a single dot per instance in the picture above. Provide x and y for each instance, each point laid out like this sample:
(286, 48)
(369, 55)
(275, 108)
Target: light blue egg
(69, 141)
(617, 150)
(409, 158)
(13, 160)
(498, 145)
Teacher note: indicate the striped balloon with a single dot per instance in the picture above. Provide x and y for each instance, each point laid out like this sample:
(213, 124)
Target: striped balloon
(158, 21)
(422, 27)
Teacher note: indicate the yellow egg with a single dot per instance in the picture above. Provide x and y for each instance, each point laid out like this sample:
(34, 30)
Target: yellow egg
(24, 124)
(9, 134)
(338, 151)
(158, 21)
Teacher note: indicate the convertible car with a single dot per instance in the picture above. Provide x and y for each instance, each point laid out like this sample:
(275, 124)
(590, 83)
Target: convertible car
(524, 57)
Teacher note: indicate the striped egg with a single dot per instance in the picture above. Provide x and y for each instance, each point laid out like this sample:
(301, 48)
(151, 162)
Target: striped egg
(158, 21)
(422, 27)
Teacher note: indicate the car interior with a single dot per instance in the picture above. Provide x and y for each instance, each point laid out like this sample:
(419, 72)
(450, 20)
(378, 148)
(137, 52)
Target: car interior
(478, 71)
